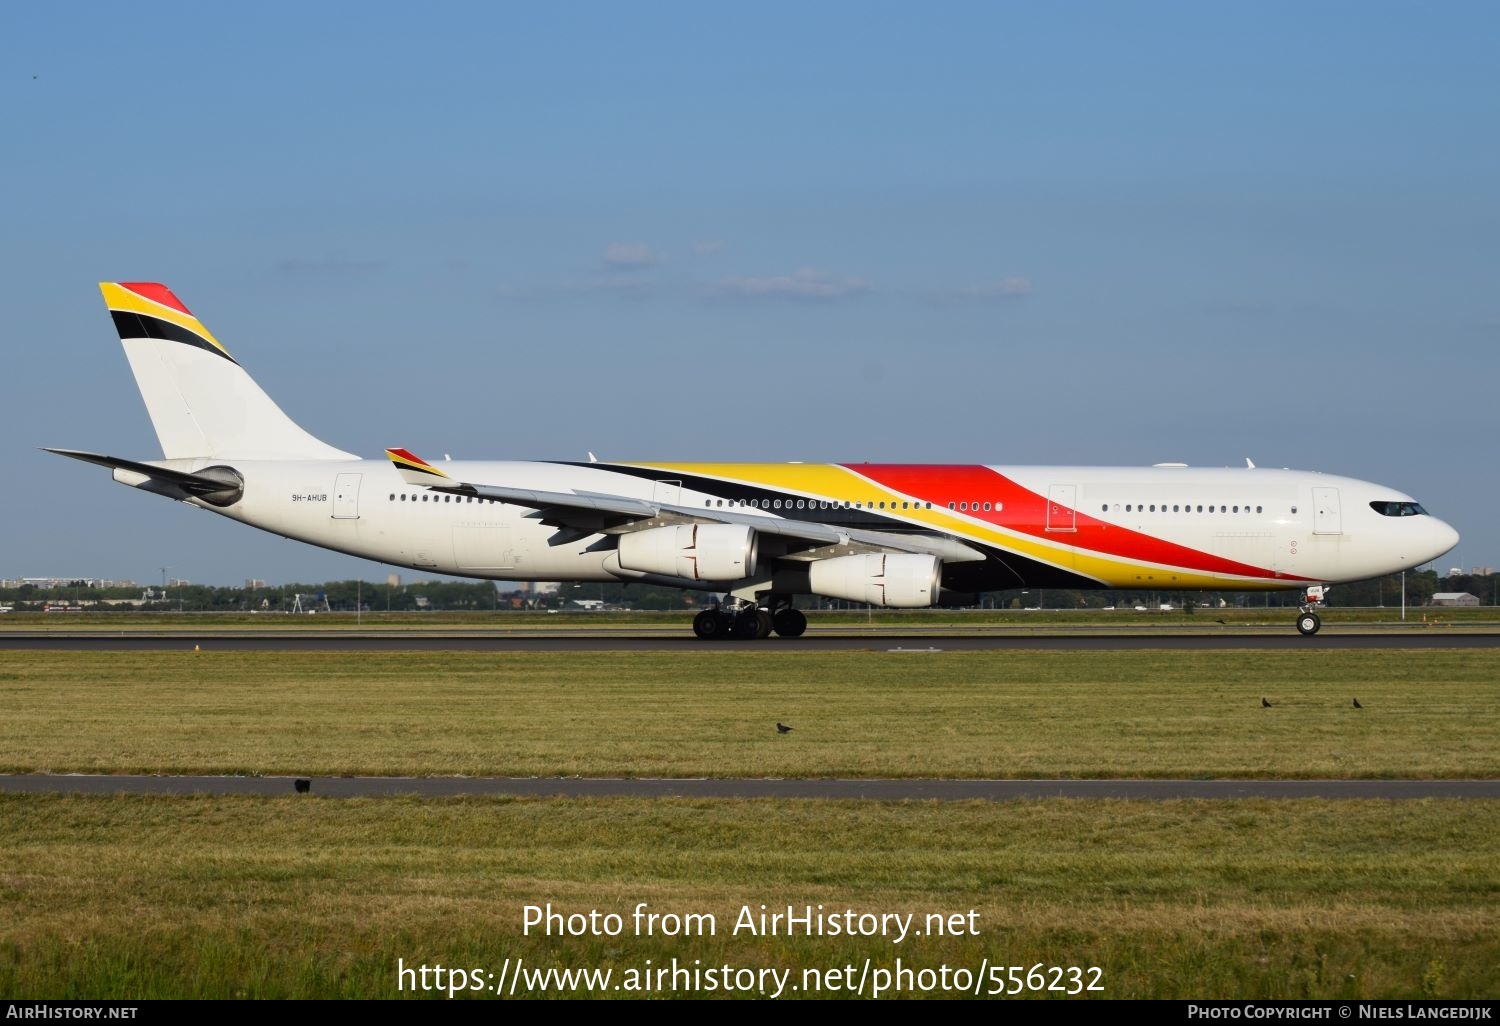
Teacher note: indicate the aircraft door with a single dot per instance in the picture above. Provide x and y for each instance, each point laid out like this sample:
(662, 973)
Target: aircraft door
(346, 497)
(668, 493)
(1062, 511)
(1326, 517)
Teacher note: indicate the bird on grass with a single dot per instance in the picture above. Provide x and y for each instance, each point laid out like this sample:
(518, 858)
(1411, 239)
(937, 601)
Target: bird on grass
(1264, 704)
(782, 728)
(1357, 705)
(302, 784)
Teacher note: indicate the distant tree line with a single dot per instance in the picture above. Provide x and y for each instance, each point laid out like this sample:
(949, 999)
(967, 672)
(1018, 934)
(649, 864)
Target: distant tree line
(501, 596)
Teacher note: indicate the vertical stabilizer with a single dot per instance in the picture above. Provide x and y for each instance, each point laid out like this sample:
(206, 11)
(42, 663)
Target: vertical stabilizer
(202, 403)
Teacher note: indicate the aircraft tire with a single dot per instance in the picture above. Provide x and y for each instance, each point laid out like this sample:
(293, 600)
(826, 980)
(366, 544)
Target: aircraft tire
(1308, 624)
(789, 623)
(745, 626)
(763, 624)
(709, 625)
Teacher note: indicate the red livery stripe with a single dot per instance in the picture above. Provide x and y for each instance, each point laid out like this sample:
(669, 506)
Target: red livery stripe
(157, 293)
(1025, 512)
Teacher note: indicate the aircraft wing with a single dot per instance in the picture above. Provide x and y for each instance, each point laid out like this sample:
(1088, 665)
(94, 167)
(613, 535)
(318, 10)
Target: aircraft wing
(580, 514)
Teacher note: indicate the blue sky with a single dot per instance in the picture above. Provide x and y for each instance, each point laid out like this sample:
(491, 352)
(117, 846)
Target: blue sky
(1004, 233)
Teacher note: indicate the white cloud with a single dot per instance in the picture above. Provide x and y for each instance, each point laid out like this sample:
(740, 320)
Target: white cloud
(804, 284)
(630, 254)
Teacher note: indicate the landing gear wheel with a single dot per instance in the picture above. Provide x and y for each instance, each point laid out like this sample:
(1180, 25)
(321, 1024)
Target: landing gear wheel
(789, 623)
(709, 625)
(1308, 624)
(746, 626)
(763, 624)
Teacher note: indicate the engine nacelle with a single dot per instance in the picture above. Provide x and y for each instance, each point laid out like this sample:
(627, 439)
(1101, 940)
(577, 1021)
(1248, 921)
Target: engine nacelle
(903, 580)
(699, 552)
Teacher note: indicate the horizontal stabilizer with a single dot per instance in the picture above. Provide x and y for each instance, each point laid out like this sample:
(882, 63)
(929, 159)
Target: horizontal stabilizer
(221, 486)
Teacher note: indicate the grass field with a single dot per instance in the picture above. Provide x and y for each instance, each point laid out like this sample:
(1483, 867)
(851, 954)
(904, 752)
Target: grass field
(711, 712)
(140, 897)
(221, 897)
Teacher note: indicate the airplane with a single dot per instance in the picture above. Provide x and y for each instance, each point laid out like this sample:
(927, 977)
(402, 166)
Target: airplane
(893, 535)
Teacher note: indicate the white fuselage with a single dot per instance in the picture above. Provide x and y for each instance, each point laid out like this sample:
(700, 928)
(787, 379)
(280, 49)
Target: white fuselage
(1117, 527)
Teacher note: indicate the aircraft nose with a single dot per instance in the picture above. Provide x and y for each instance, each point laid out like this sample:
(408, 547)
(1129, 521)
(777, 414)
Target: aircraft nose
(1444, 538)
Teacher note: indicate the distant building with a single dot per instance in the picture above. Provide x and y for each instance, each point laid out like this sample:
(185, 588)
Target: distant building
(1481, 571)
(251, 583)
(1454, 598)
(64, 582)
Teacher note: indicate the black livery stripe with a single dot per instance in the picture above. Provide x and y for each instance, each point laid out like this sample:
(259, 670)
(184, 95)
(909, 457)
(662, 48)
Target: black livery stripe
(1002, 570)
(422, 470)
(133, 325)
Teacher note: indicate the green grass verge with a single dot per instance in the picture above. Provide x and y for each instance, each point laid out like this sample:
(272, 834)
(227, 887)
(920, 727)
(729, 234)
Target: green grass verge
(151, 897)
(711, 712)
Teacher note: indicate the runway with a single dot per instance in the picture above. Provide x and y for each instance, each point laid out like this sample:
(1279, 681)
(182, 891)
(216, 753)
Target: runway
(832, 639)
(739, 787)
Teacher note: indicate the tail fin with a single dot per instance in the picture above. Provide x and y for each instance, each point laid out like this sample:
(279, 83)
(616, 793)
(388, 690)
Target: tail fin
(202, 403)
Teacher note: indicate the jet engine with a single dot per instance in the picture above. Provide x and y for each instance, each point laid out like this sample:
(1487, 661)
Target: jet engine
(699, 552)
(903, 580)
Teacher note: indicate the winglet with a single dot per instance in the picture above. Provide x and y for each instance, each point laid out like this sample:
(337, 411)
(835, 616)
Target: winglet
(416, 471)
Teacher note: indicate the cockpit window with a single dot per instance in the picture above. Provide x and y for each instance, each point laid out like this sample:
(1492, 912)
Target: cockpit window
(1398, 509)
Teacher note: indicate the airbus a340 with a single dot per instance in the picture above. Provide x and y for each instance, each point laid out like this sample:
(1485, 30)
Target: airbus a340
(895, 535)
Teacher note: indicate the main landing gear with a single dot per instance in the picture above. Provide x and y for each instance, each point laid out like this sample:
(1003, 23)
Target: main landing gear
(749, 622)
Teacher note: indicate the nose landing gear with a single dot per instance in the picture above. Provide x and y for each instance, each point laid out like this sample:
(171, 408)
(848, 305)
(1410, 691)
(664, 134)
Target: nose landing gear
(1308, 622)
